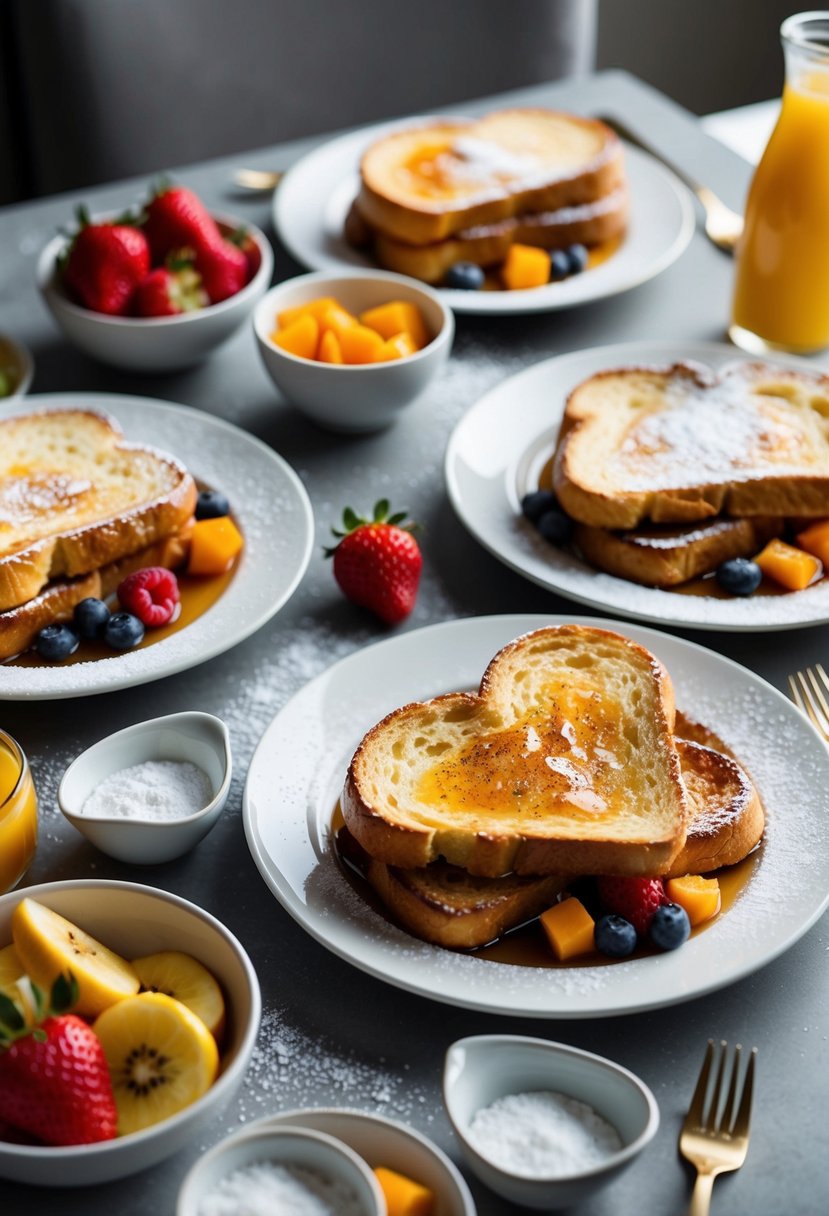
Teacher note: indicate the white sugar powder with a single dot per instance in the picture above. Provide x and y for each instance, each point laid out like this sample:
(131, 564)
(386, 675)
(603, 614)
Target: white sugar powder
(155, 790)
(265, 1189)
(542, 1135)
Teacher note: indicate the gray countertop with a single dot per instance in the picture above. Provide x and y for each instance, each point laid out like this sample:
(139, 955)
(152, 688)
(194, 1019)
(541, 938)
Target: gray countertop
(331, 1035)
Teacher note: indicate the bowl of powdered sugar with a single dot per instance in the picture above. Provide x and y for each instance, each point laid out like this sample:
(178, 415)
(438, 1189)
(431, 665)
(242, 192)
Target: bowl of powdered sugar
(542, 1124)
(152, 791)
(285, 1169)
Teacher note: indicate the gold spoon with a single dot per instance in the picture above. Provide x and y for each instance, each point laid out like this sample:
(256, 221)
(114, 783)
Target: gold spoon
(723, 227)
(256, 179)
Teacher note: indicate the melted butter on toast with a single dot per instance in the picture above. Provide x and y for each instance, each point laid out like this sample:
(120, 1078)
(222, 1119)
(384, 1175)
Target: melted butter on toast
(566, 753)
(27, 496)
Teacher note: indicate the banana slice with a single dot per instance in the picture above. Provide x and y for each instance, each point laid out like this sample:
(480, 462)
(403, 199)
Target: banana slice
(47, 945)
(184, 978)
(161, 1058)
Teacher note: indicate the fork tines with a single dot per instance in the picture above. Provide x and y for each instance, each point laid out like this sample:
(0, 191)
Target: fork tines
(709, 1110)
(809, 691)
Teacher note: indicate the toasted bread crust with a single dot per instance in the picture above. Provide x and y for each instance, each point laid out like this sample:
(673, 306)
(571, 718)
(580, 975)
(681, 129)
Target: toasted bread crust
(644, 841)
(678, 444)
(159, 497)
(674, 554)
(56, 602)
(588, 224)
(420, 217)
(727, 818)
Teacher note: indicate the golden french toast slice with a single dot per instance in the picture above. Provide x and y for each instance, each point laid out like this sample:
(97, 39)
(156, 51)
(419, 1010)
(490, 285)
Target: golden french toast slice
(563, 763)
(679, 443)
(446, 905)
(428, 181)
(75, 496)
(667, 555)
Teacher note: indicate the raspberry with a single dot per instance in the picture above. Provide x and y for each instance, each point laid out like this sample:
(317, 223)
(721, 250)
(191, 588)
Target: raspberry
(150, 594)
(636, 899)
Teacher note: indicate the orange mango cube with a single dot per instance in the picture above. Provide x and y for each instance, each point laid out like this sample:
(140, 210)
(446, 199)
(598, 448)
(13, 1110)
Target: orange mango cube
(792, 568)
(360, 344)
(299, 338)
(700, 897)
(525, 266)
(397, 317)
(337, 318)
(214, 546)
(815, 540)
(398, 347)
(403, 1196)
(330, 350)
(313, 308)
(569, 929)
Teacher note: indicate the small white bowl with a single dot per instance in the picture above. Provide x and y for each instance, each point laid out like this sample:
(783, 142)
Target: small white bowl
(136, 920)
(286, 1146)
(17, 359)
(153, 344)
(355, 397)
(196, 737)
(382, 1141)
(483, 1068)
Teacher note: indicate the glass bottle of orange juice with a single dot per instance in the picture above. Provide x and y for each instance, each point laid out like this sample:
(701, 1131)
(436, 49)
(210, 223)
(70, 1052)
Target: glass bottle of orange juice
(18, 813)
(781, 296)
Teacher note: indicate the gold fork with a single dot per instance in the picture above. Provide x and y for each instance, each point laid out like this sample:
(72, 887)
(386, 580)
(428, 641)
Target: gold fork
(714, 1136)
(723, 227)
(809, 690)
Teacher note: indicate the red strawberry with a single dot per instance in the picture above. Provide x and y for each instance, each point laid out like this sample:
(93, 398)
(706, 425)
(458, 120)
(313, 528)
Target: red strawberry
(104, 265)
(249, 247)
(377, 563)
(223, 268)
(54, 1080)
(166, 293)
(176, 218)
(150, 594)
(636, 899)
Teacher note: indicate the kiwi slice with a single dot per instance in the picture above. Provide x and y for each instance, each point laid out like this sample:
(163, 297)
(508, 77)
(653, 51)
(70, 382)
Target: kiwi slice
(185, 978)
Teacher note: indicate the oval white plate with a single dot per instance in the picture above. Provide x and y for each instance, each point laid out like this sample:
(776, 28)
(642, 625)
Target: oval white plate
(498, 449)
(312, 201)
(298, 769)
(261, 487)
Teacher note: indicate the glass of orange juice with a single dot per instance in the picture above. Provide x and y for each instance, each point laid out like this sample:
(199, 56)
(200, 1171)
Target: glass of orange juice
(781, 295)
(18, 813)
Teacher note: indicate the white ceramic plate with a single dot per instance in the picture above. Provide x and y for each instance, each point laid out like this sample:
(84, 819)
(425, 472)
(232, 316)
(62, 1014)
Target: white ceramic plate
(498, 449)
(298, 769)
(262, 488)
(382, 1141)
(312, 201)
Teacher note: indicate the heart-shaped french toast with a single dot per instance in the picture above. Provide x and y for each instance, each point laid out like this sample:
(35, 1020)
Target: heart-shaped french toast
(564, 762)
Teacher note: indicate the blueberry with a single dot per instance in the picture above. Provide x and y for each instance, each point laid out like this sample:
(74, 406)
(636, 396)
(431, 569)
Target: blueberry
(556, 527)
(123, 631)
(536, 503)
(577, 256)
(56, 642)
(559, 265)
(210, 504)
(615, 936)
(90, 617)
(670, 927)
(465, 276)
(740, 576)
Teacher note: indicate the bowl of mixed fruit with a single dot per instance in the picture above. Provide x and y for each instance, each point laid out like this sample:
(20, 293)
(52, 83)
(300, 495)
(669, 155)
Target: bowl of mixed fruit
(127, 1020)
(156, 288)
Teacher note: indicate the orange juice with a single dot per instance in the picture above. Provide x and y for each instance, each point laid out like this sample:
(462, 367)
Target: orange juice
(18, 814)
(781, 297)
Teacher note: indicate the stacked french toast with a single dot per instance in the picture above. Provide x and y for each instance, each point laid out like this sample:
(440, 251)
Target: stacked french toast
(670, 472)
(453, 191)
(471, 813)
(80, 509)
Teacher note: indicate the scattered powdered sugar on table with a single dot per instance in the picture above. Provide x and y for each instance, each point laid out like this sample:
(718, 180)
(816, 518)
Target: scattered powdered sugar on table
(542, 1135)
(268, 1189)
(155, 790)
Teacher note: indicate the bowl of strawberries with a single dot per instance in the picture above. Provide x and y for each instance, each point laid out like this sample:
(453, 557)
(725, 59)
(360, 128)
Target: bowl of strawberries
(156, 289)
